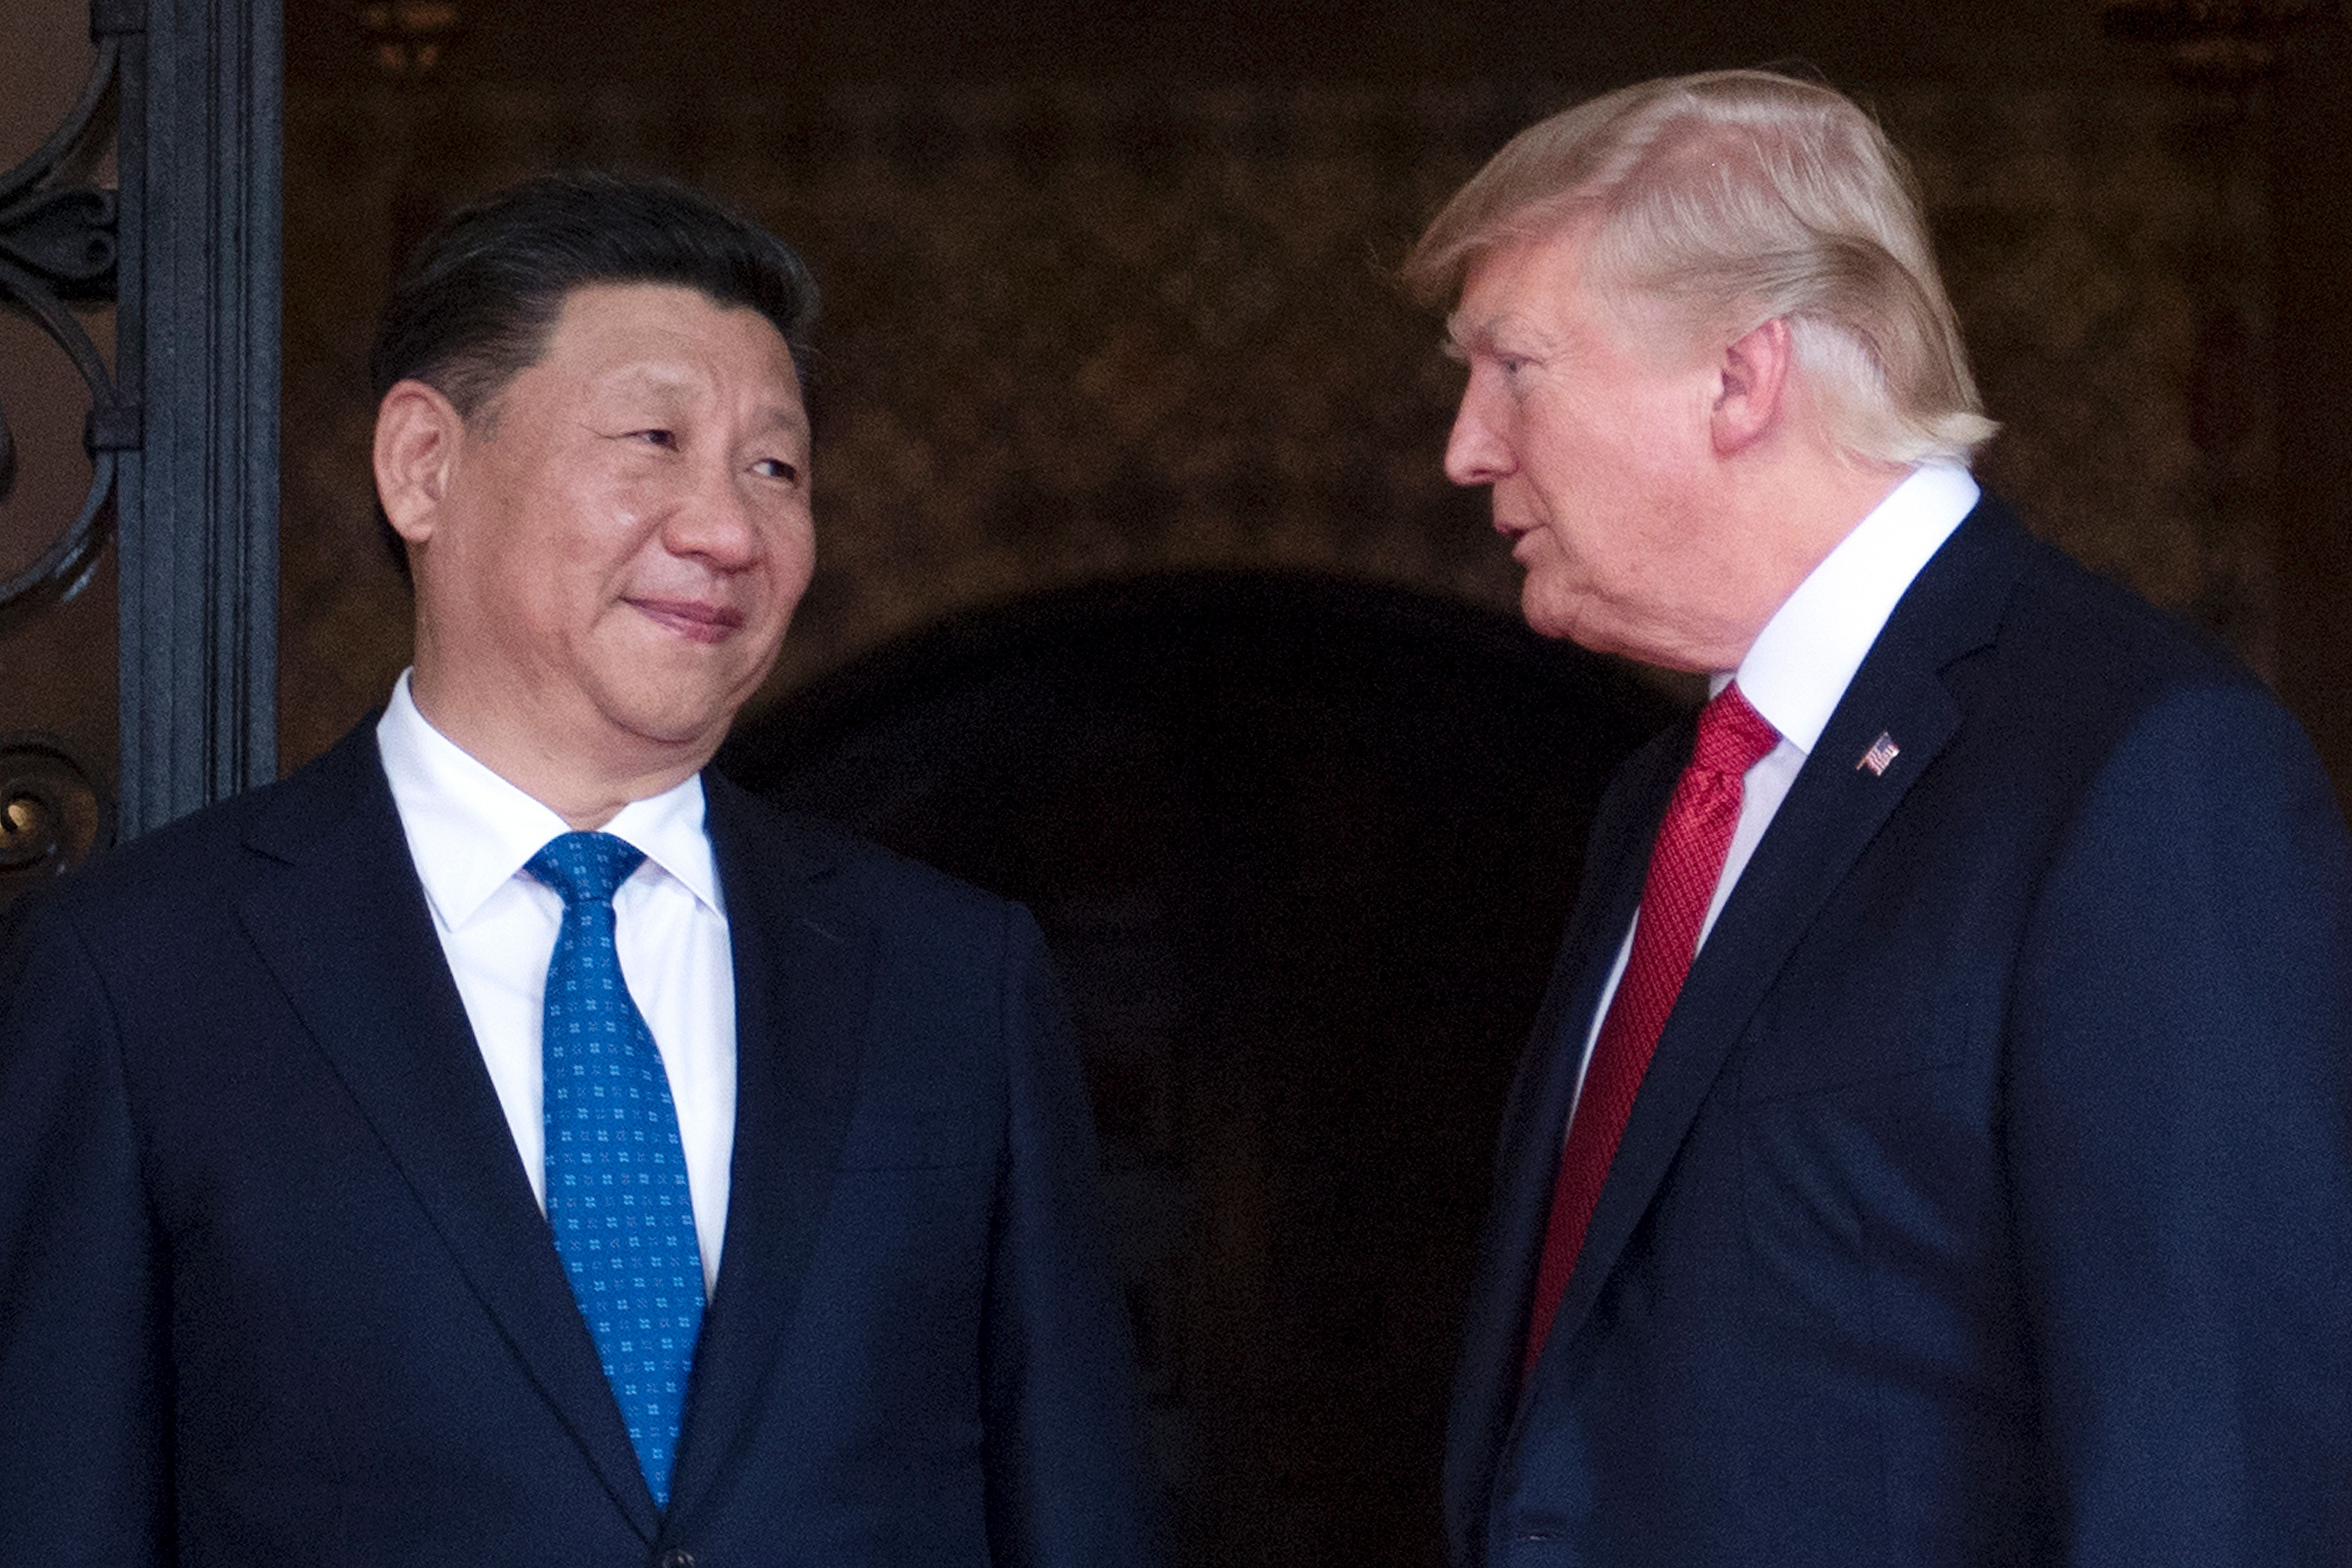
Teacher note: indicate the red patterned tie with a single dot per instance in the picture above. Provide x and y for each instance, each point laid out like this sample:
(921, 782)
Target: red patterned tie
(1685, 866)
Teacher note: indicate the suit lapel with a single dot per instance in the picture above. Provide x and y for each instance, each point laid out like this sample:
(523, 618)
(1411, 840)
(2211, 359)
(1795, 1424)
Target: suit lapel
(342, 923)
(1832, 811)
(1496, 1333)
(804, 968)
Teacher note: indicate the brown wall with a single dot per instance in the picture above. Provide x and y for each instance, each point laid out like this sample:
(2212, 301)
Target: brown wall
(1088, 317)
(2312, 175)
(1088, 329)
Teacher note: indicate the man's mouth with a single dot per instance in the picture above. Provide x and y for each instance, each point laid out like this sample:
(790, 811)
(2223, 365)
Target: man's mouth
(694, 619)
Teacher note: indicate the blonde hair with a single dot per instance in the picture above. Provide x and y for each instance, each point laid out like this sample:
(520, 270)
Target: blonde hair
(1738, 197)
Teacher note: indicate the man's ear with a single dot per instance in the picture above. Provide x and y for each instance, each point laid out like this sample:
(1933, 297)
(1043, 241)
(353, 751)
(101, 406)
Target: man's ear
(417, 434)
(1753, 387)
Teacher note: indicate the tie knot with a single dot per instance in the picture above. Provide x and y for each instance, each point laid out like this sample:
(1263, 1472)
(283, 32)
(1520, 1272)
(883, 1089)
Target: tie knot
(1732, 736)
(585, 865)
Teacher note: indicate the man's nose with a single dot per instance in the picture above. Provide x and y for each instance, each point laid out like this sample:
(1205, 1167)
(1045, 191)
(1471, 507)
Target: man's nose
(717, 520)
(1475, 453)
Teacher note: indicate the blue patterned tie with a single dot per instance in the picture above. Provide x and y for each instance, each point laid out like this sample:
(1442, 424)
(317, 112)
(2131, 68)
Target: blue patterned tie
(616, 1189)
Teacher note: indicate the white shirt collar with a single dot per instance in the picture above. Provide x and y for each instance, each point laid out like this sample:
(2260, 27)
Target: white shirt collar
(469, 830)
(1805, 657)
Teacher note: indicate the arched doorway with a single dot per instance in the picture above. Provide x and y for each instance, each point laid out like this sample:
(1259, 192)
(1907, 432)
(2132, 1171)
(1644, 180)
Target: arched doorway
(1303, 848)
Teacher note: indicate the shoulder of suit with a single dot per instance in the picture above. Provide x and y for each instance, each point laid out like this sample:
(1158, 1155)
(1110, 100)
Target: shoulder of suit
(2108, 640)
(2079, 670)
(175, 872)
(845, 864)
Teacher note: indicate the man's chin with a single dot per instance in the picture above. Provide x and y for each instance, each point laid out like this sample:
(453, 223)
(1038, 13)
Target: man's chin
(674, 721)
(1547, 616)
(673, 687)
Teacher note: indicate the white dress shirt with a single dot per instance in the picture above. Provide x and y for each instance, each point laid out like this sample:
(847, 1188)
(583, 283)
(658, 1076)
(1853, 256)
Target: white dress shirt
(1802, 662)
(470, 832)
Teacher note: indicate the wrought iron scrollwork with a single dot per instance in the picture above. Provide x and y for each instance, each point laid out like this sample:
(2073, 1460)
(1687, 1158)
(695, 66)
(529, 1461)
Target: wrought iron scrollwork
(182, 431)
(58, 247)
(53, 814)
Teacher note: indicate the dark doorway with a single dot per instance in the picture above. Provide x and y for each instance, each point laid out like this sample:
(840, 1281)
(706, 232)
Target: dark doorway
(1303, 849)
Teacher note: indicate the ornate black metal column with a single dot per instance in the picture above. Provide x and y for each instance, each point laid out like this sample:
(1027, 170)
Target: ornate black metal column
(198, 492)
(183, 430)
(59, 248)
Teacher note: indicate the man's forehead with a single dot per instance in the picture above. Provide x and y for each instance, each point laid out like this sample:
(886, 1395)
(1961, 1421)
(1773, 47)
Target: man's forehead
(677, 379)
(669, 342)
(1545, 293)
(631, 316)
(1474, 325)
(1511, 289)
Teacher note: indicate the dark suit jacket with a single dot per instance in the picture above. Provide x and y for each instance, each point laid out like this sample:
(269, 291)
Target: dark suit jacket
(273, 1288)
(1988, 1198)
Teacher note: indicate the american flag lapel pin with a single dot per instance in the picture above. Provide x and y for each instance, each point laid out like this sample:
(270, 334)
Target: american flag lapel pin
(1882, 752)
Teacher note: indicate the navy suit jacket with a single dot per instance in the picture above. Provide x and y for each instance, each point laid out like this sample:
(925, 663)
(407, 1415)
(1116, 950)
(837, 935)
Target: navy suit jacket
(1988, 1198)
(274, 1288)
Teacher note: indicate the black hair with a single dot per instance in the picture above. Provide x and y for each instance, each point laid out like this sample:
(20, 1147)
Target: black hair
(474, 304)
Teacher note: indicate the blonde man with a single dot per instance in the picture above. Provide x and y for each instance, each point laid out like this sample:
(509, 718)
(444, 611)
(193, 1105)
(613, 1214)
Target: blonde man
(1935, 1146)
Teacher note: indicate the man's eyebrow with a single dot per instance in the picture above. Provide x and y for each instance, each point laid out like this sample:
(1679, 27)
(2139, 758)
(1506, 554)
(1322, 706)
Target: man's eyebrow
(644, 377)
(1523, 337)
(666, 381)
(1483, 330)
(785, 418)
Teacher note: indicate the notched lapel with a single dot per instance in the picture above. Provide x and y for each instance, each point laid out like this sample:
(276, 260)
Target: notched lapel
(804, 976)
(1495, 1334)
(344, 929)
(1831, 815)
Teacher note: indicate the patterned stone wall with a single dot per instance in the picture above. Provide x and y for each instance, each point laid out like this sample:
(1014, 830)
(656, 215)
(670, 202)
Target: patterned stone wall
(1081, 333)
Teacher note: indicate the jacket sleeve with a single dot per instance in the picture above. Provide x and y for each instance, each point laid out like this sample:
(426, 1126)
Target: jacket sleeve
(85, 1400)
(2179, 1133)
(1065, 1486)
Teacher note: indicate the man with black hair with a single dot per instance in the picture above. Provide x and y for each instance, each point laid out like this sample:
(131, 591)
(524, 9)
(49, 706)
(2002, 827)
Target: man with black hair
(505, 1140)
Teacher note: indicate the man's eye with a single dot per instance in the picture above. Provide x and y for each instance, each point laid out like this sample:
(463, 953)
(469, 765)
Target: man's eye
(654, 438)
(776, 468)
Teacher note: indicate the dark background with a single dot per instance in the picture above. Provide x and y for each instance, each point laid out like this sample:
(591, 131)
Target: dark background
(1302, 849)
(705, 45)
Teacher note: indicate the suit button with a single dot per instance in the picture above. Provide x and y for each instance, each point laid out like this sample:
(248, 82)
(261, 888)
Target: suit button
(676, 1557)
